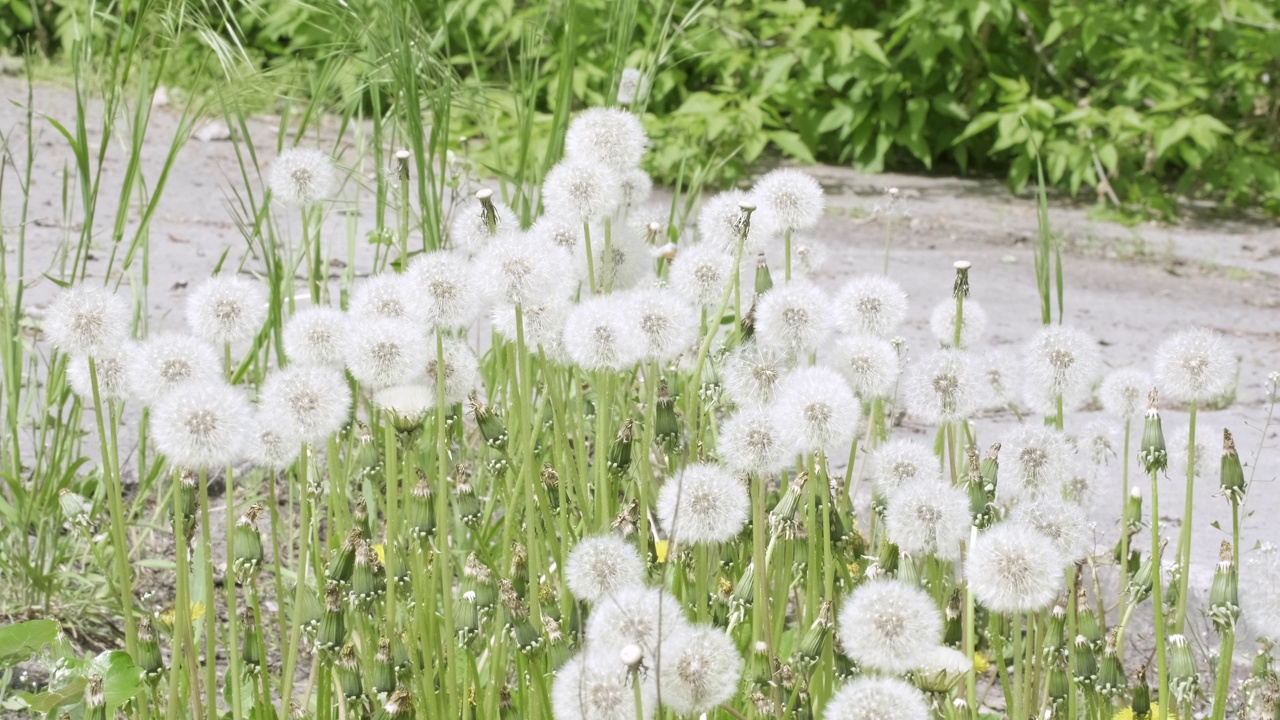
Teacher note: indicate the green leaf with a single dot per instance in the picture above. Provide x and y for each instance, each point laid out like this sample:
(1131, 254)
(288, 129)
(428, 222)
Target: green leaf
(1051, 34)
(867, 42)
(836, 117)
(20, 641)
(791, 144)
(979, 124)
(1172, 135)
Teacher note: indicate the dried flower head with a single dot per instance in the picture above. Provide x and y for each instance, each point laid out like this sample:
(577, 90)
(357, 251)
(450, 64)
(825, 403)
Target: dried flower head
(929, 519)
(1035, 461)
(703, 503)
(1014, 568)
(584, 190)
(166, 361)
(795, 317)
(942, 388)
(751, 442)
(700, 669)
(902, 463)
(202, 425)
(602, 565)
(86, 320)
(788, 200)
(381, 352)
(816, 410)
(1061, 362)
(873, 698)
(599, 334)
(314, 336)
(701, 272)
(889, 625)
(942, 323)
(302, 177)
(315, 400)
(1195, 365)
(751, 373)
(610, 136)
(869, 363)
(1124, 392)
(871, 304)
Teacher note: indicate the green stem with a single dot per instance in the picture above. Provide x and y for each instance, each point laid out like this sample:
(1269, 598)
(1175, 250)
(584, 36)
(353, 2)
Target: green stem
(300, 586)
(210, 610)
(1157, 575)
(1184, 537)
(119, 540)
(591, 261)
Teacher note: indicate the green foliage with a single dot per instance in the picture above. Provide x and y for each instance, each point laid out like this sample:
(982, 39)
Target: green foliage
(18, 642)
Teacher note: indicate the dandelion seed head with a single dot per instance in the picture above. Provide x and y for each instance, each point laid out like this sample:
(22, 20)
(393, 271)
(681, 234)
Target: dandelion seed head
(460, 368)
(1178, 442)
(314, 399)
(869, 363)
(301, 177)
(112, 368)
(636, 187)
(750, 374)
(1260, 591)
(668, 324)
(584, 190)
(443, 286)
(1124, 392)
(629, 258)
(226, 308)
(1064, 523)
(719, 220)
(999, 378)
(543, 324)
(795, 317)
(751, 442)
(381, 352)
(875, 698)
(314, 336)
(386, 295)
(871, 304)
(1014, 568)
(596, 685)
(942, 323)
(599, 334)
(631, 86)
(942, 388)
(610, 136)
(1098, 442)
(902, 463)
(889, 625)
(1035, 461)
(929, 518)
(524, 270)
(1195, 365)
(202, 424)
(703, 503)
(475, 225)
(788, 200)
(85, 320)
(816, 411)
(166, 361)
(635, 615)
(601, 565)
(273, 442)
(701, 272)
(1060, 361)
(408, 403)
(700, 669)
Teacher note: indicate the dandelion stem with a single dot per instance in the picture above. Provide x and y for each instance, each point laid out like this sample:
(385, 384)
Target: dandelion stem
(1184, 536)
(591, 262)
(119, 540)
(1157, 576)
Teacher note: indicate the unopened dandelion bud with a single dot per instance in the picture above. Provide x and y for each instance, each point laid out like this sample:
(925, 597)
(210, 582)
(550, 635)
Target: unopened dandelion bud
(402, 158)
(990, 467)
(77, 509)
(1141, 698)
(551, 485)
(666, 425)
(1152, 453)
(953, 616)
(421, 515)
(491, 427)
(782, 518)
(360, 517)
(310, 613)
(811, 643)
(761, 702)
(333, 627)
(250, 643)
(1087, 620)
(364, 581)
(764, 281)
(1184, 680)
(1055, 639)
(399, 706)
(384, 672)
(347, 671)
(149, 658)
(744, 590)
(1224, 594)
(627, 519)
(1140, 584)
(1084, 666)
(1059, 684)
(1232, 473)
(246, 544)
(1133, 510)
(907, 568)
(344, 558)
(1112, 682)
(187, 497)
(620, 451)
(465, 502)
(95, 699)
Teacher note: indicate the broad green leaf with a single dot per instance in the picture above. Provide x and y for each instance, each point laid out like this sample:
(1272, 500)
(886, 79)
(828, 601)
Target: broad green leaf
(867, 42)
(1172, 135)
(791, 144)
(1051, 34)
(977, 125)
(18, 642)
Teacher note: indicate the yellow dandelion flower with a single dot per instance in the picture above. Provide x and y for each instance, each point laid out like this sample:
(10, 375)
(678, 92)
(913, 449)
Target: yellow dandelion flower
(660, 547)
(980, 663)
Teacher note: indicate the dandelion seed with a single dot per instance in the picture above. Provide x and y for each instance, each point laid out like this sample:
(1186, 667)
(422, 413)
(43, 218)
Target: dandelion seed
(869, 363)
(719, 224)
(602, 565)
(166, 361)
(315, 400)
(816, 411)
(751, 442)
(1195, 365)
(1065, 524)
(703, 504)
(1035, 461)
(929, 519)
(301, 177)
(788, 200)
(583, 190)
(901, 463)
(202, 425)
(872, 698)
(942, 388)
(871, 304)
(460, 367)
(635, 615)
(1014, 568)
(888, 625)
(86, 320)
(1260, 591)
(273, 442)
(701, 272)
(1061, 362)
(1124, 392)
(482, 220)
(942, 323)
(599, 334)
(314, 336)
(382, 352)
(751, 373)
(443, 285)
(522, 270)
(596, 685)
(700, 669)
(794, 317)
(112, 368)
(610, 136)
(226, 309)
(668, 324)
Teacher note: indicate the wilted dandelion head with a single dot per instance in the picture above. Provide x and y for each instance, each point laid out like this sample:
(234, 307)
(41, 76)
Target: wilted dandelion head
(788, 200)
(272, 442)
(631, 85)
(596, 685)
(302, 177)
(999, 378)
(112, 367)
(202, 425)
(701, 272)
(381, 352)
(543, 324)
(1195, 365)
(902, 463)
(703, 503)
(751, 442)
(1035, 461)
(523, 270)
(610, 136)
(1260, 591)
(929, 518)
(444, 288)
(816, 410)
(635, 615)
(869, 363)
(226, 308)
(889, 625)
(459, 365)
(314, 399)
(166, 361)
(871, 304)
(700, 669)
(1060, 361)
(795, 317)
(875, 698)
(750, 374)
(942, 388)
(668, 324)
(314, 336)
(636, 186)
(1064, 523)
(385, 295)
(85, 320)
(584, 190)
(719, 223)
(942, 323)
(1014, 568)
(1124, 392)
(600, 334)
(602, 565)
(481, 220)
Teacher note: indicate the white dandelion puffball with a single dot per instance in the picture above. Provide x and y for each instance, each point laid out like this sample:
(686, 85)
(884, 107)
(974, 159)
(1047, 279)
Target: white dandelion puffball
(302, 177)
(523, 270)
(869, 363)
(1260, 591)
(563, 232)
(202, 425)
(385, 295)
(703, 503)
(460, 368)
(810, 256)
(750, 374)
(602, 565)
(1035, 461)
(408, 403)
(1195, 365)
(273, 442)
(600, 334)
(628, 260)
(635, 615)
(1064, 523)
(999, 378)
(84, 320)
(816, 410)
(751, 442)
(946, 661)
(902, 463)
(871, 304)
(631, 85)
(1060, 361)
(381, 352)
(443, 286)
(543, 324)
(719, 224)
(112, 368)
(470, 231)
(608, 136)
(789, 200)
(942, 323)
(889, 625)
(226, 309)
(795, 317)
(584, 190)
(166, 361)
(1097, 442)
(700, 669)
(314, 399)
(314, 336)
(637, 186)
(668, 324)
(929, 518)
(1178, 442)
(1013, 568)
(1124, 392)
(701, 273)
(873, 698)
(942, 388)
(596, 685)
